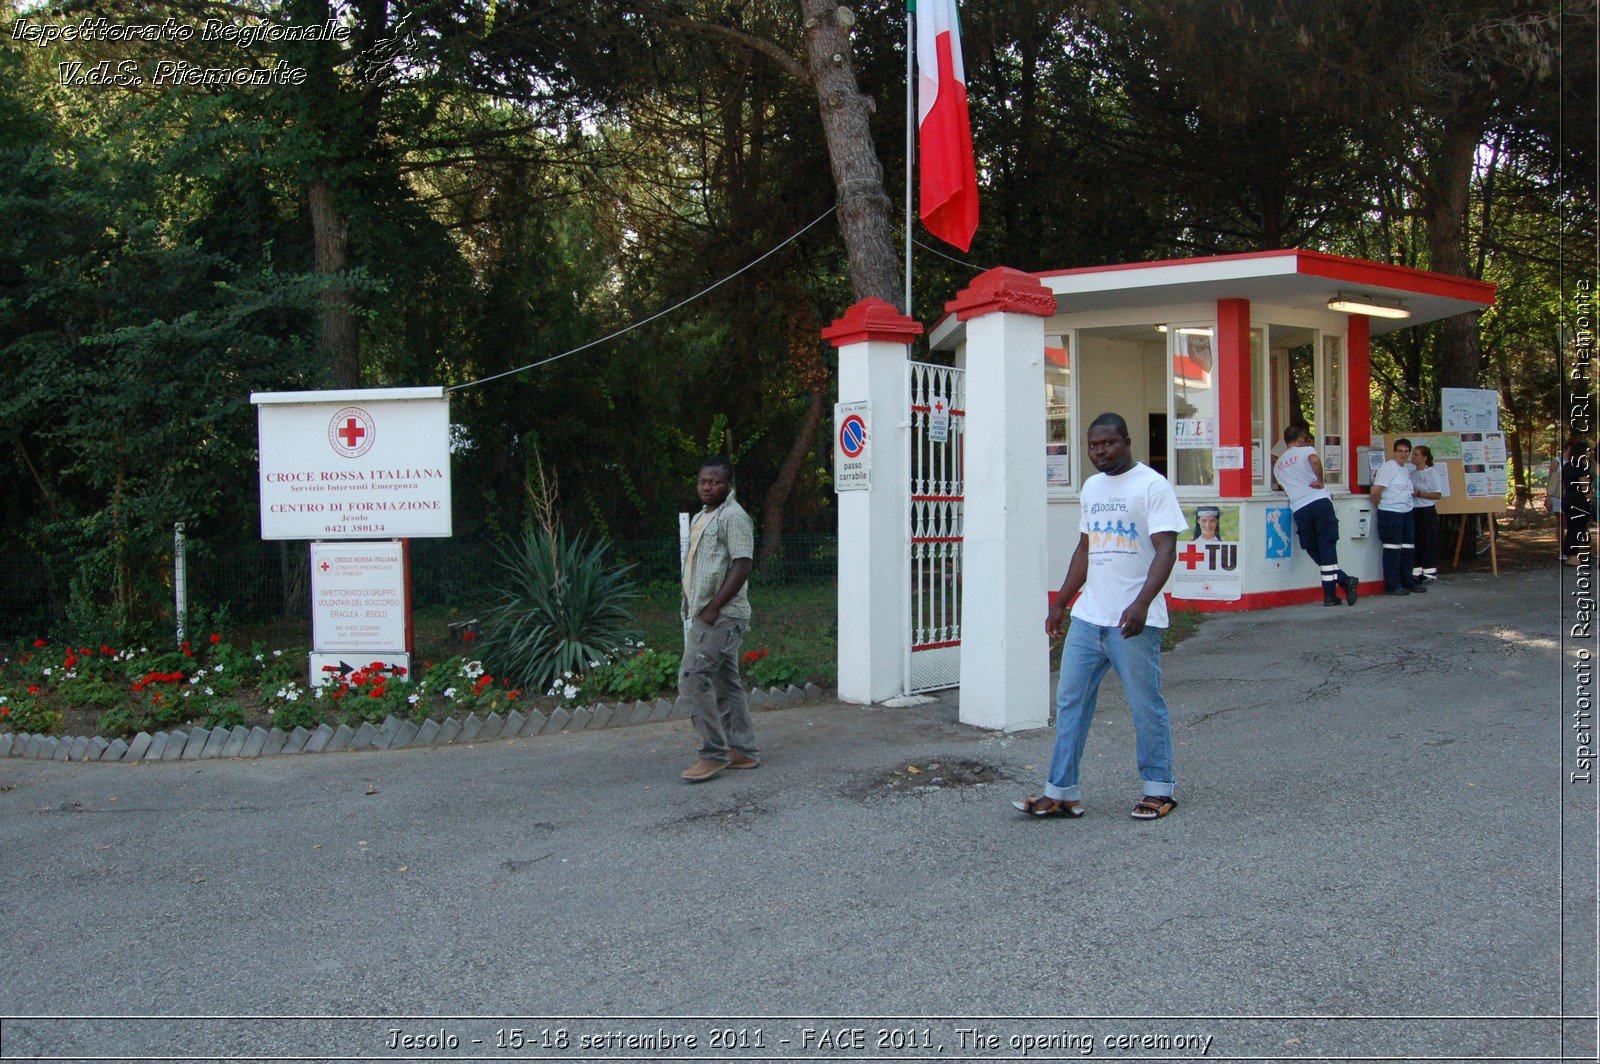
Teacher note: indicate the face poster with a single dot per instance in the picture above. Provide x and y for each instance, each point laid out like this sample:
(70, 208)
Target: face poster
(1208, 555)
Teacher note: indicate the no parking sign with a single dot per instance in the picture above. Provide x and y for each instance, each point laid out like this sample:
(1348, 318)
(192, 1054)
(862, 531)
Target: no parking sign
(852, 446)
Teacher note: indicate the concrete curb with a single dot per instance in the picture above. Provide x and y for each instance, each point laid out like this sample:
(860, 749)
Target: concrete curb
(241, 743)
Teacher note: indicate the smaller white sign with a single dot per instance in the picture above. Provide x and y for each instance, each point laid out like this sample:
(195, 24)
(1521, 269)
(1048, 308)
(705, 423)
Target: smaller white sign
(331, 669)
(1227, 458)
(852, 446)
(1194, 433)
(938, 420)
(1470, 409)
(358, 597)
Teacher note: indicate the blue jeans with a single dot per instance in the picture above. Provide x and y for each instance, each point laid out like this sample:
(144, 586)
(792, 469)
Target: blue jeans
(1090, 650)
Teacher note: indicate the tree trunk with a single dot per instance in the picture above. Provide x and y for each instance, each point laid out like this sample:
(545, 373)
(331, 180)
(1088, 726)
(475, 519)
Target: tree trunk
(1519, 472)
(778, 494)
(1448, 191)
(338, 334)
(857, 173)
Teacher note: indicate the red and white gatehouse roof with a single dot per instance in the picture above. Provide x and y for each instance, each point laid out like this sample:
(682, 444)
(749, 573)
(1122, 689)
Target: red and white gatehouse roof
(1296, 279)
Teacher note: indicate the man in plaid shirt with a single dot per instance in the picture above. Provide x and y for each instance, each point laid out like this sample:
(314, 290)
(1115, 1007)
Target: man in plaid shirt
(716, 614)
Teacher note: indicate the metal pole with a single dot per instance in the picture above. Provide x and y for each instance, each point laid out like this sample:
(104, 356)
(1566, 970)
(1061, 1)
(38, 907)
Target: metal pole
(911, 130)
(180, 580)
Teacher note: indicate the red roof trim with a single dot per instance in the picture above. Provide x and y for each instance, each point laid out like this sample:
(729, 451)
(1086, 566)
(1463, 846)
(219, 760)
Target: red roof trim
(1382, 275)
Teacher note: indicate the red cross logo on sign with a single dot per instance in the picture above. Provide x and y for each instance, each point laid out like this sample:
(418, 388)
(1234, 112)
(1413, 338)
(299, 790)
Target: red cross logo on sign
(351, 432)
(1191, 556)
(325, 567)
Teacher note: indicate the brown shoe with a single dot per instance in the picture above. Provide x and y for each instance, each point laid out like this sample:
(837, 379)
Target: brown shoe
(738, 760)
(703, 769)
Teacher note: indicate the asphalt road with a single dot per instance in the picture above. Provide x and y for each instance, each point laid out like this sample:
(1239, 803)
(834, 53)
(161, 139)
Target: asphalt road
(1368, 860)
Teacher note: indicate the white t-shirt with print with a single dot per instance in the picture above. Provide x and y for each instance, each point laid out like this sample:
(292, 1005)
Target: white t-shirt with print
(1119, 514)
(1426, 479)
(1396, 484)
(1295, 476)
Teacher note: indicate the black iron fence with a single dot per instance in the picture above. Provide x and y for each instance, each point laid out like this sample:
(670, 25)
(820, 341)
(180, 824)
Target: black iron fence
(261, 581)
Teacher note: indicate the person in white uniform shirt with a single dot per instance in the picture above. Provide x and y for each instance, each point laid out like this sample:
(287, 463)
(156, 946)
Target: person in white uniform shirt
(1391, 494)
(1127, 543)
(1425, 495)
(1299, 472)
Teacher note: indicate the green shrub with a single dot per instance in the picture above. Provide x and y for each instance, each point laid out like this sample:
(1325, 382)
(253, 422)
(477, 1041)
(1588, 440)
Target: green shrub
(26, 713)
(772, 670)
(93, 694)
(117, 723)
(633, 676)
(561, 611)
(225, 715)
(303, 713)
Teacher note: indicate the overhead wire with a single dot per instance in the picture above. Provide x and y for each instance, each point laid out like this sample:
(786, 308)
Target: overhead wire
(658, 314)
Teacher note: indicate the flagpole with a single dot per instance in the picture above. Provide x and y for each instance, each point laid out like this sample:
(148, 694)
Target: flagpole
(911, 131)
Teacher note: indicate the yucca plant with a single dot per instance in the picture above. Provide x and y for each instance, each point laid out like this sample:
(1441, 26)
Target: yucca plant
(561, 608)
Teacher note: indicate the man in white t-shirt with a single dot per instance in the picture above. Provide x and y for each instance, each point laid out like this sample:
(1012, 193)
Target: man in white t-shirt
(1391, 494)
(1299, 472)
(1127, 543)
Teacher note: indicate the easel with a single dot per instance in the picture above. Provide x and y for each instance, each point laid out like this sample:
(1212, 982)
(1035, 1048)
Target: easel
(1461, 535)
(1447, 456)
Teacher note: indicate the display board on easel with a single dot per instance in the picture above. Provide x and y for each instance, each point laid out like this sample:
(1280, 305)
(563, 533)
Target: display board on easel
(1475, 466)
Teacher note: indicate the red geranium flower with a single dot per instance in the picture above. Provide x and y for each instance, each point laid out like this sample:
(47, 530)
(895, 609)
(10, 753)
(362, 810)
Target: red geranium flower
(215, 639)
(468, 636)
(138, 687)
(106, 651)
(188, 653)
(33, 689)
(41, 643)
(5, 711)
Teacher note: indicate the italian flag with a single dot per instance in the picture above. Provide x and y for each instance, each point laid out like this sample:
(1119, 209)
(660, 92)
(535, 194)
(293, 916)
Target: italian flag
(944, 133)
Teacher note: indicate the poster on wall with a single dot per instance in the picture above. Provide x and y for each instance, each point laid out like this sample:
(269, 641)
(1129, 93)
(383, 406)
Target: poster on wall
(1258, 458)
(1470, 409)
(1194, 433)
(1279, 538)
(1333, 452)
(1208, 555)
(1446, 446)
(1483, 464)
(1058, 464)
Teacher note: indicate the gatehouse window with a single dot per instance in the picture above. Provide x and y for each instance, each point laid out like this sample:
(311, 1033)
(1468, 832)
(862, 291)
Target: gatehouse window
(1194, 404)
(1059, 464)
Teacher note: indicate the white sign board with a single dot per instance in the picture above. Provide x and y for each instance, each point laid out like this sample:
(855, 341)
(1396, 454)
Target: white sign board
(329, 669)
(1470, 409)
(1227, 458)
(938, 420)
(358, 597)
(852, 446)
(359, 464)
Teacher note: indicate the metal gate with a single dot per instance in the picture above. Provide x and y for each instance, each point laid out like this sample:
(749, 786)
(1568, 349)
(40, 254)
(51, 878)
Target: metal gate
(938, 429)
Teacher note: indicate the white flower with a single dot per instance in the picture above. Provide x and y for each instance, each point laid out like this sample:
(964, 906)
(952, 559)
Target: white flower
(209, 692)
(279, 693)
(569, 691)
(143, 650)
(413, 699)
(195, 678)
(293, 696)
(261, 657)
(47, 672)
(594, 664)
(217, 669)
(270, 711)
(277, 653)
(319, 692)
(187, 693)
(450, 692)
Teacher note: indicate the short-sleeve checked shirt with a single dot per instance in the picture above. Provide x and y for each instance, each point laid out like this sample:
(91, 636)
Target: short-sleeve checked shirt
(716, 538)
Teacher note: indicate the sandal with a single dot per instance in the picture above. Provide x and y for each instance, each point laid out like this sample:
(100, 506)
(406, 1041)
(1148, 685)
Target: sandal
(1154, 806)
(1048, 807)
